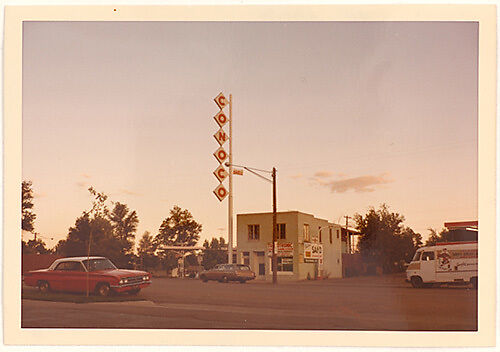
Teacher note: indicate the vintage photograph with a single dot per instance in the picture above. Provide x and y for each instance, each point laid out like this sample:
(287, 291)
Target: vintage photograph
(250, 175)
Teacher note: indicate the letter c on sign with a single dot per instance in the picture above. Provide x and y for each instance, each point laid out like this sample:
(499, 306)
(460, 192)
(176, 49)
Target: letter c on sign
(220, 172)
(222, 101)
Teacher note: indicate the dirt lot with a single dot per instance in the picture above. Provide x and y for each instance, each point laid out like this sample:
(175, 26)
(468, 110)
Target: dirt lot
(363, 303)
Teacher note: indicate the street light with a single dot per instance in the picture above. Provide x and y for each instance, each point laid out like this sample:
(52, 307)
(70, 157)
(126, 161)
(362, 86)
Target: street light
(256, 171)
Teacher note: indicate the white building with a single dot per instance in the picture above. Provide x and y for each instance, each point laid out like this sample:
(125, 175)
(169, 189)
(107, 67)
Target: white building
(307, 246)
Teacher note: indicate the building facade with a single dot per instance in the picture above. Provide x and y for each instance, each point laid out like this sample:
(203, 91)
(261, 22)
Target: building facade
(307, 247)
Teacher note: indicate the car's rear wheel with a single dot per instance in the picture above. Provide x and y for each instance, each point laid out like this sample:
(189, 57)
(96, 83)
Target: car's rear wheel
(243, 281)
(204, 278)
(103, 290)
(225, 279)
(43, 286)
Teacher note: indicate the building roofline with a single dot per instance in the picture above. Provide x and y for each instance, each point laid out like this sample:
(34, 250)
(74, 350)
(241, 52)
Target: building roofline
(286, 212)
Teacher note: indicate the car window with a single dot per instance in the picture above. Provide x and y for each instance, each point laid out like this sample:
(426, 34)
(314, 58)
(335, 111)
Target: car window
(99, 264)
(428, 256)
(70, 266)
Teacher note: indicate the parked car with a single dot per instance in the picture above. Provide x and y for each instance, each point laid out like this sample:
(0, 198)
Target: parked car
(72, 275)
(228, 272)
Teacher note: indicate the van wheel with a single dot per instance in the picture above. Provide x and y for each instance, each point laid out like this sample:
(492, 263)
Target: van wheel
(473, 281)
(416, 281)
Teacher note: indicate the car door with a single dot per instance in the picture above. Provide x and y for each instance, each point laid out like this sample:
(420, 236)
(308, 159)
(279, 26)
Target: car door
(59, 276)
(428, 266)
(76, 277)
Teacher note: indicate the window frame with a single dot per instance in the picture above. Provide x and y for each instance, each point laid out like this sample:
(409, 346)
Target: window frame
(253, 235)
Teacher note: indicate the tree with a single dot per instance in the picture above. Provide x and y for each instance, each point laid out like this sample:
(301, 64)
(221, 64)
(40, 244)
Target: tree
(124, 224)
(94, 230)
(435, 237)
(214, 253)
(28, 216)
(35, 247)
(179, 229)
(384, 240)
(146, 251)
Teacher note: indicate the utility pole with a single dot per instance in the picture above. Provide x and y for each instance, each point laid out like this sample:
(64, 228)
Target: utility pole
(275, 230)
(348, 237)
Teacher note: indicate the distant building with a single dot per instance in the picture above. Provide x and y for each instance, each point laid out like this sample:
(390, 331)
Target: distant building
(307, 246)
(461, 231)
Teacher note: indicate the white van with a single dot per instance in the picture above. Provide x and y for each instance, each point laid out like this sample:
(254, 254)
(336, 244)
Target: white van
(444, 263)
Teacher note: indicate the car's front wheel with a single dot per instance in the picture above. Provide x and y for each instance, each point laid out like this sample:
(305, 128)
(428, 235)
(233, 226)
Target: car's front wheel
(134, 292)
(416, 281)
(103, 290)
(43, 287)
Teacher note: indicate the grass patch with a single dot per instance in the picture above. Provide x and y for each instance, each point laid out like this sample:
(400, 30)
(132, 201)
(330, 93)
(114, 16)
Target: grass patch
(75, 297)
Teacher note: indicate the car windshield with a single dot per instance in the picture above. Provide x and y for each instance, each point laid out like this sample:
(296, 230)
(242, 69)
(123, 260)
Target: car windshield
(416, 257)
(98, 264)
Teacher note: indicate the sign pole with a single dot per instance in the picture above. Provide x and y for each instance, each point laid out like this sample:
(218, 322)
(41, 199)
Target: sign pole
(275, 230)
(230, 202)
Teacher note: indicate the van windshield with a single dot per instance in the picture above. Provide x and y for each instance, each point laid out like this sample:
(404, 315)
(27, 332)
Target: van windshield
(416, 257)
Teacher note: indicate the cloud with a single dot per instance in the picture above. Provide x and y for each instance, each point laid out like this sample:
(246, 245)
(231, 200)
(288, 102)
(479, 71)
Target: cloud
(359, 184)
(82, 184)
(323, 174)
(86, 176)
(343, 184)
(296, 177)
(129, 193)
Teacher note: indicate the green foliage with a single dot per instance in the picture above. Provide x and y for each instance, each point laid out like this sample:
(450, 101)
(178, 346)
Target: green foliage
(146, 252)
(28, 216)
(179, 229)
(35, 247)
(435, 237)
(124, 224)
(109, 234)
(215, 253)
(384, 240)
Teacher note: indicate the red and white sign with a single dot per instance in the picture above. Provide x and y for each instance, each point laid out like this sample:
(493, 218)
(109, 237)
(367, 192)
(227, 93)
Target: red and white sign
(238, 172)
(221, 136)
(313, 251)
(221, 192)
(284, 249)
(221, 119)
(221, 173)
(221, 101)
(221, 155)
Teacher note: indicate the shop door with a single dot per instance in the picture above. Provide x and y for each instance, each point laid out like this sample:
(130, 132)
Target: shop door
(262, 269)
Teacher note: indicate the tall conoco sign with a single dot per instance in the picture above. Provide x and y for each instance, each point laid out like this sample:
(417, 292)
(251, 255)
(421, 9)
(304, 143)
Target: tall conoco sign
(225, 158)
(220, 154)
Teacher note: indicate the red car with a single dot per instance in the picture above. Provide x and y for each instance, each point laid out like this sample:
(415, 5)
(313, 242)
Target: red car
(70, 275)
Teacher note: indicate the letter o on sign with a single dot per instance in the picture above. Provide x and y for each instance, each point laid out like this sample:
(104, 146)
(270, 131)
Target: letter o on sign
(221, 154)
(222, 118)
(221, 192)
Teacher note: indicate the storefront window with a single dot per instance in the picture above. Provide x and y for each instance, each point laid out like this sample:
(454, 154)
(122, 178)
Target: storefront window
(285, 264)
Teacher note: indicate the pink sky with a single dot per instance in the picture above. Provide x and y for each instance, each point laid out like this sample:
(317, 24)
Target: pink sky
(352, 115)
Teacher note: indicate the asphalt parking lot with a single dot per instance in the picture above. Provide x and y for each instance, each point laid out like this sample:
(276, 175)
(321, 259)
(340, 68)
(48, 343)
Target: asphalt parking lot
(364, 303)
